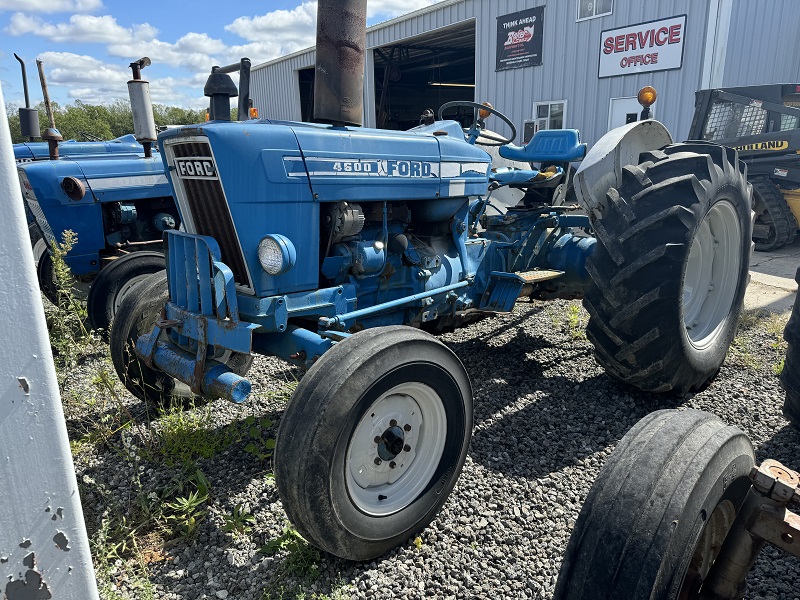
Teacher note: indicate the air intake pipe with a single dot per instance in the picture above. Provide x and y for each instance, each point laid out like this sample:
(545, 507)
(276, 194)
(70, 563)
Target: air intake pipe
(339, 73)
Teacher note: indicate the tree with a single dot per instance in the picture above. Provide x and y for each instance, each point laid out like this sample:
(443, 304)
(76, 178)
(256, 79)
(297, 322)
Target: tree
(105, 121)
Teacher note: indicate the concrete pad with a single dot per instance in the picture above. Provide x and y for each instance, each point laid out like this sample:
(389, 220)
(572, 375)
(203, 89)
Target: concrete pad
(772, 285)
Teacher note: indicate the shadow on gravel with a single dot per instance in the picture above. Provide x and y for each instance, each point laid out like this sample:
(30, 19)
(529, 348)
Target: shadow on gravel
(783, 446)
(566, 422)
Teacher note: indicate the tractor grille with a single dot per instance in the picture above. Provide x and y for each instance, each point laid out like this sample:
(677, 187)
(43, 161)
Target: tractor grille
(728, 120)
(209, 210)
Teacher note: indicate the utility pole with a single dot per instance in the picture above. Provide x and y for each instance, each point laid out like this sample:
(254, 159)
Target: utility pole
(44, 549)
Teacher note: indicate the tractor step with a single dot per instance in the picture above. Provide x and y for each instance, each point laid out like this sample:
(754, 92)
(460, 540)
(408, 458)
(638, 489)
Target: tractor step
(504, 288)
(539, 275)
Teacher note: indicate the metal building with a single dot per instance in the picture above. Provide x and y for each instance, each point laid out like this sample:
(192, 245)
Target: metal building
(563, 63)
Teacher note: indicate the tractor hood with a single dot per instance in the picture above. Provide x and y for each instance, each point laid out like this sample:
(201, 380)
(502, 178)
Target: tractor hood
(237, 182)
(28, 151)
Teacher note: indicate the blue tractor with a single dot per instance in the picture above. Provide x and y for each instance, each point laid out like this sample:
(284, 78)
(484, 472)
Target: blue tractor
(334, 247)
(113, 195)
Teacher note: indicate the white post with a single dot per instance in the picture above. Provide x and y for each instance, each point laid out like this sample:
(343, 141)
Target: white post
(44, 549)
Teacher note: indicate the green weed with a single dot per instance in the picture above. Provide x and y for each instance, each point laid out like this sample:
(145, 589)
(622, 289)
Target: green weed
(260, 444)
(239, 522)
(300, 559)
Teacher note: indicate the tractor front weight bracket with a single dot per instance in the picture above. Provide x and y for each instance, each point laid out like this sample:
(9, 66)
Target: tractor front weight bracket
(763, 517)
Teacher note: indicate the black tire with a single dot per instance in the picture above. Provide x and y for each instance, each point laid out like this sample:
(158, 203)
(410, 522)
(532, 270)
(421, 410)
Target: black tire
(45, 273)
(323, 424)
(136, 316)
(653, 521)
(114, 282)
(643, 259)
(790, 375)
(772, 211)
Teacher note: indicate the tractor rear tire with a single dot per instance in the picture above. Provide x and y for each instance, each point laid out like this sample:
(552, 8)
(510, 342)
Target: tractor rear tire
(670, 269)
(790, 375)
(45, 273)
(136, 316)
(373, 441)
(115, 281)
(772, 211)
(655, 518)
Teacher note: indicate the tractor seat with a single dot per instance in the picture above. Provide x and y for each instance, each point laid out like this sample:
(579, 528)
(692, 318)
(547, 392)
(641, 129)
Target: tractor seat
(548, 146)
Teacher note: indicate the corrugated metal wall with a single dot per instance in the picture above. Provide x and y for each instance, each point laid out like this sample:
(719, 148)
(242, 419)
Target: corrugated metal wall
(761, 49)
(762, 44)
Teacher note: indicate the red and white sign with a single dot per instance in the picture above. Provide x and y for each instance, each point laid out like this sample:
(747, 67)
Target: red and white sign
(651, 46)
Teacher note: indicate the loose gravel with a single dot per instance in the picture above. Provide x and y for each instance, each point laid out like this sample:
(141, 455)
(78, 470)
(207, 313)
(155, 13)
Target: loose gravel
(546, 419)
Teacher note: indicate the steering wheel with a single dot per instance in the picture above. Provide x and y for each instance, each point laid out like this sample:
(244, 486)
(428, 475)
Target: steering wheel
(475, 132)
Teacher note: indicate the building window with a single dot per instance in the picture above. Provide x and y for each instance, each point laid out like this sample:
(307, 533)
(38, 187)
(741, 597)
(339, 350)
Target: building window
(589, 9)
(550, 115)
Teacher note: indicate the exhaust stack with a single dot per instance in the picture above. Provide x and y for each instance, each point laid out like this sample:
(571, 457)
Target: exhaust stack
(28, 117)
(144, 125)
(339, 73)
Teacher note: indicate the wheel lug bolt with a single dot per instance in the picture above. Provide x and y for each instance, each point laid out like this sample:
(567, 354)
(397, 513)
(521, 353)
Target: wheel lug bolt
(378, 460)
(393, 422)
(406, 448)
(392, 465)
(377, 439)
(407, 427)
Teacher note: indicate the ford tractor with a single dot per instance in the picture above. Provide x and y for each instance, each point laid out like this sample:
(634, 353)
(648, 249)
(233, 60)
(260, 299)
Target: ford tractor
(334, 247)
(113, 195)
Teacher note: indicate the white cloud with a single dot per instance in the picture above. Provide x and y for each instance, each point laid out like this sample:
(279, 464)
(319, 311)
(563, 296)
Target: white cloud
(282, 32)
(195, 51)
(52, 6)
(80, 28)
(96, 82)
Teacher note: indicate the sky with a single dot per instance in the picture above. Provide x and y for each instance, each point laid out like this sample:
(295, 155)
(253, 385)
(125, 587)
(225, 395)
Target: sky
(87, 45)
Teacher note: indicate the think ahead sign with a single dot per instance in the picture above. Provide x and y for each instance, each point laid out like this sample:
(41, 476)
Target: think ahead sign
(652, 46)
(519, 39)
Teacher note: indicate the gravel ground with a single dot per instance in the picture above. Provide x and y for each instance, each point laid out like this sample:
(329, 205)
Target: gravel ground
(546, 419)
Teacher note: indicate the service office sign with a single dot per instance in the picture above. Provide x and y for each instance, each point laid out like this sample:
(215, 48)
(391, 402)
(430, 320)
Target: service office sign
(641, 48)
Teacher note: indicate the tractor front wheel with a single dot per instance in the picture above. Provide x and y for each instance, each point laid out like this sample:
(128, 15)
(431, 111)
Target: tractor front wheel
(373, 441)
(656, 516)
(136, 316)
(670, 269)
(115, 281)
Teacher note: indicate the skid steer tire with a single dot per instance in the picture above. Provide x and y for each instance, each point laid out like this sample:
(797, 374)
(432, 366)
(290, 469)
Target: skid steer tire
(790, 375)
(655, 518)
(772, 211)
(670, 269)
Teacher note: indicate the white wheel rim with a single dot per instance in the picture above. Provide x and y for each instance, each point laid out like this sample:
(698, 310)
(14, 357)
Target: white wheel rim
(126, 289)
(385, 485)
(712, 275)
(39, 248)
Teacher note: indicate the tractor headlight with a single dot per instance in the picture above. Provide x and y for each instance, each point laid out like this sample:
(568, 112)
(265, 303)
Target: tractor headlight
(276, 254)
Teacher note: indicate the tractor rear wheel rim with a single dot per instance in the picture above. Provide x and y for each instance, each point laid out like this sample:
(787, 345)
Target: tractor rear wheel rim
(711, 276)
(379, 480)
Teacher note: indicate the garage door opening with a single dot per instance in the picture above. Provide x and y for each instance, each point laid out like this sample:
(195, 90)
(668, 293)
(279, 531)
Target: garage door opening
(424, 72)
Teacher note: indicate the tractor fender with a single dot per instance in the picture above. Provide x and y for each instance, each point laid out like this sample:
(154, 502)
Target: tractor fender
(602, 167)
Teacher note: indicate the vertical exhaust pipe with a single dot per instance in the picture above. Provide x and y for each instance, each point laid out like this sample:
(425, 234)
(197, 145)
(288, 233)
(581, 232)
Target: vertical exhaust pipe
(339, 73)
(28, 117)
(144, 125)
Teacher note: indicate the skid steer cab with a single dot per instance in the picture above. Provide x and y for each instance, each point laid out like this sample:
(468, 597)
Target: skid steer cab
(337, 248)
